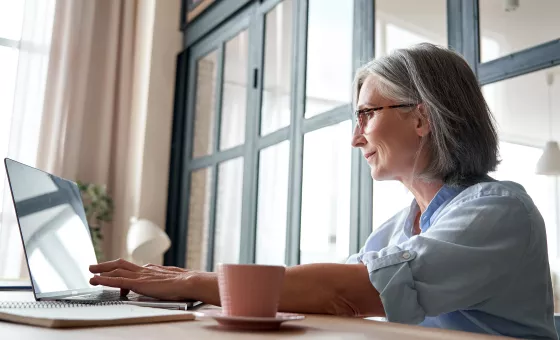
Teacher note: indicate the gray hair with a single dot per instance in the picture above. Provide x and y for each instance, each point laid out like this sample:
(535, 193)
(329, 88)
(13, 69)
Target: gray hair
(462, 143)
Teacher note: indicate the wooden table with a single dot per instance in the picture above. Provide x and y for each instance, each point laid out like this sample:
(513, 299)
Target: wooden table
(313, 327)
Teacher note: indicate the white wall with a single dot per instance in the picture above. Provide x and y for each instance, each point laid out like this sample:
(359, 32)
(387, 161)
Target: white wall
(156, 137)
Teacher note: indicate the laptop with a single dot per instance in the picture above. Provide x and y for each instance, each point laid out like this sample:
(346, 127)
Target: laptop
(57, 240)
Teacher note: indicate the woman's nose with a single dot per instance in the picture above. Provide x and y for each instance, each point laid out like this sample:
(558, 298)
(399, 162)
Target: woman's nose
(358, 138)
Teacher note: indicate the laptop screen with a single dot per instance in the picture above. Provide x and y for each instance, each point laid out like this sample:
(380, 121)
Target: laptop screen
(54, 230)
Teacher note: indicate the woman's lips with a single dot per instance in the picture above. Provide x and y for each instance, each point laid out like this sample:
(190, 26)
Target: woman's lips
(369, 154)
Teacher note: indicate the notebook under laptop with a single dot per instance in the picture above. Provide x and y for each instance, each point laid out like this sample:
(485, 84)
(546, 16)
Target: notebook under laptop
(57, 240)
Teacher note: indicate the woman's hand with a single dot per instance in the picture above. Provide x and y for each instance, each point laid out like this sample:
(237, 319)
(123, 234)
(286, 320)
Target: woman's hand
(161, 282)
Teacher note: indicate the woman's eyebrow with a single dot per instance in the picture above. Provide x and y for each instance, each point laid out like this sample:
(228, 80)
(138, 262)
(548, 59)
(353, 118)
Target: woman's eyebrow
(366, 106)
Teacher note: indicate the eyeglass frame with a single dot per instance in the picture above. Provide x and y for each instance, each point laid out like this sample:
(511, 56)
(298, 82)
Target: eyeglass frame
(366, 112)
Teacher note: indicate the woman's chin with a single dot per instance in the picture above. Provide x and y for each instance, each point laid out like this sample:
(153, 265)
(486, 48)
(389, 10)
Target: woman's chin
(379, 175)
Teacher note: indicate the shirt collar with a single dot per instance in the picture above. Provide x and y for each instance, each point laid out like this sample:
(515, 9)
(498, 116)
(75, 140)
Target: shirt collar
(440, 200)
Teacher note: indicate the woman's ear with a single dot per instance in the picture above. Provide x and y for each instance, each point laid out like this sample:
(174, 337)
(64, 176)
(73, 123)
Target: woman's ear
(422, 121)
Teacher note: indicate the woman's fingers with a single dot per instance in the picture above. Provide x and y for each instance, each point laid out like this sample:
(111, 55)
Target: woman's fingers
(121, 273)
(116, 282)
(112, 265)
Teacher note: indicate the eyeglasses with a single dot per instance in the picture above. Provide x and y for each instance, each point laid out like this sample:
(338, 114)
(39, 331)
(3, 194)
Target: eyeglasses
(363, 115)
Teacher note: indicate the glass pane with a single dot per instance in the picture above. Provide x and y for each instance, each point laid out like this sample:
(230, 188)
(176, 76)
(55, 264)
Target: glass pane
(11, 18)
(197, 232)
(272, 205)
(518, 165)
(277, 68)
(8, 72)
(228, 211)
(506, 28)
(206, 71)
(402, 23)
(234, 97)
(329, 55)
(389, 197)
(526, 111)
(525, 107)
(325, 207)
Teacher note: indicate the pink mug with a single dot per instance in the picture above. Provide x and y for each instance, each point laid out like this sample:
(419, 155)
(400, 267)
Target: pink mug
(250, 289)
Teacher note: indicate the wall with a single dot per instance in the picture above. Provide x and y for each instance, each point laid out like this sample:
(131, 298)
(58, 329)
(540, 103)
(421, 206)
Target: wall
(159, 26)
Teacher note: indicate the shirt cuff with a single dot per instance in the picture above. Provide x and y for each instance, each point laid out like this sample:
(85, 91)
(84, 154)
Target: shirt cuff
(390, 273)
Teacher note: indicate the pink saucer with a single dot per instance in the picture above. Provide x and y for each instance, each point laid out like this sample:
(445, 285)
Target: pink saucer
(252, 323)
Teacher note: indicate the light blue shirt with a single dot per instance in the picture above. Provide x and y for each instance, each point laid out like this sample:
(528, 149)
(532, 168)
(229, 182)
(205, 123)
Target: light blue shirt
(480, 263)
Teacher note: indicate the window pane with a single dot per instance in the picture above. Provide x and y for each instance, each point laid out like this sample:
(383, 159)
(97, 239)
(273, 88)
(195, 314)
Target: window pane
(234, 97)
(329, 55)
(206, 71)
(526, 108)
(277, 68)
(272, 205)
(505, 30)
(325, 210)
(199, 205)
(8, 71)
(11, 19)
(389, 197)
(402, 23)
(228, 211)
(518, 165)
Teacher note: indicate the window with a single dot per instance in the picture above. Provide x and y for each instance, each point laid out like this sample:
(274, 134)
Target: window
(515, 27)
(251, 197)
(25, 34)
(518, 165)
(273, 92)
(525, 109)
(329, 55)
(325, 206)
(401, 24)
(11, 19)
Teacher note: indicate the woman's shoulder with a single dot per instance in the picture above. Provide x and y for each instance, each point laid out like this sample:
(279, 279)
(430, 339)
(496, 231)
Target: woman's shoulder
(495, 192)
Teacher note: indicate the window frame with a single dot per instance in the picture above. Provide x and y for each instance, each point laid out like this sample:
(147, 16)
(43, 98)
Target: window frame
(222, 18)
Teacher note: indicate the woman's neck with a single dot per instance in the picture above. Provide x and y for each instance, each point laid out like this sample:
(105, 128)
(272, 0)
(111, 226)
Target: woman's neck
(423, 191)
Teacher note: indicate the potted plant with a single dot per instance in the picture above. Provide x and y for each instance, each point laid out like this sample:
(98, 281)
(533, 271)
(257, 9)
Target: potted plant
(99, 208)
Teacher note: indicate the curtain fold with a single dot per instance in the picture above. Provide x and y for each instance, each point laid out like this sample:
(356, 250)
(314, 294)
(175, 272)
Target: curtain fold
(90, 111)
(80, 106)
(24, 121)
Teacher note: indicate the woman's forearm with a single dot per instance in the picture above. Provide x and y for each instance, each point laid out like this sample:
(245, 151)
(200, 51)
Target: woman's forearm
(340, 289)
(329, 288)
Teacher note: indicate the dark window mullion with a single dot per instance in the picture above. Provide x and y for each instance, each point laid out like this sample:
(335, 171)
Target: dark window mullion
(470, 33)
(179, 244)
(212, 217)
(361, 195)
(366, 182)
(216, 158)
(293, 228)
(273, 138)
(218, 99)
(455, 25)
(175, 160)
(331, 117)
(520, 63)
(250, 162)
(215, 148)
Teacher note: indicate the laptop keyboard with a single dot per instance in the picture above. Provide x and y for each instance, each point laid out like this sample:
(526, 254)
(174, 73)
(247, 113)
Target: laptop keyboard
(105, 295)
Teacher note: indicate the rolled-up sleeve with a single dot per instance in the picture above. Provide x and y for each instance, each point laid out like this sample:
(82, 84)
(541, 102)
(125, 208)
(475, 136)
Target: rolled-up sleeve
(464, 258)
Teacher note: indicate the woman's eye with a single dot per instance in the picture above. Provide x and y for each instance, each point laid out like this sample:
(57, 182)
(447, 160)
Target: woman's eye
(369, 113)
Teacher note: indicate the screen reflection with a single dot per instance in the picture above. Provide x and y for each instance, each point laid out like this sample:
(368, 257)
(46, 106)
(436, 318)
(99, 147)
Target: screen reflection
(54, 229)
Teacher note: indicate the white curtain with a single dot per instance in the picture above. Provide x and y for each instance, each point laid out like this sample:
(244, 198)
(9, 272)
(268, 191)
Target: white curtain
(22, 123)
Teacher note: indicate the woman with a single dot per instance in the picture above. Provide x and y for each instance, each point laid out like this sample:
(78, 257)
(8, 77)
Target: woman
(469, 253)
